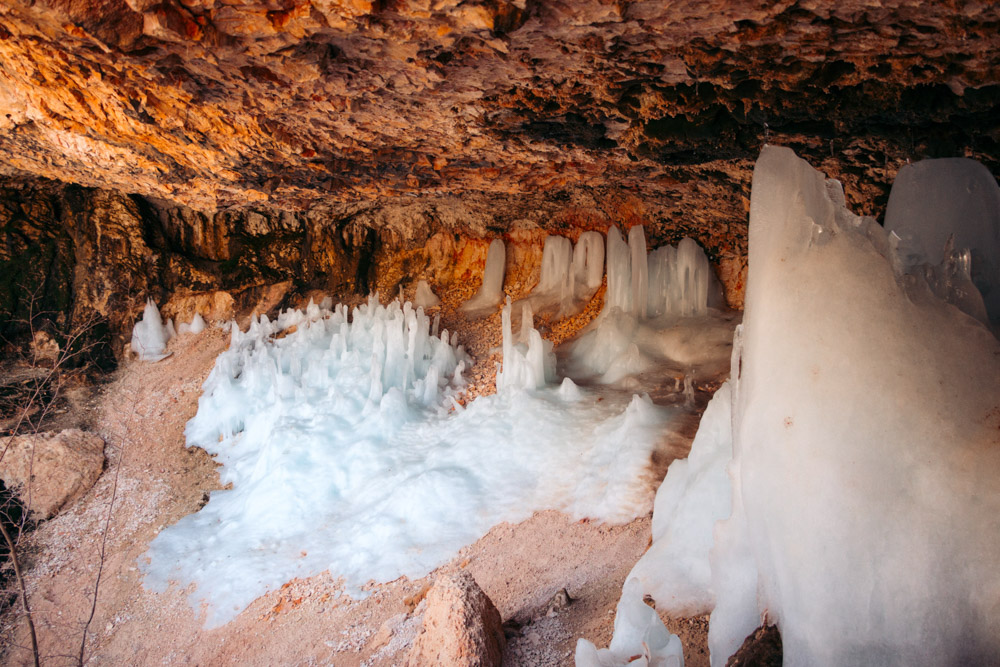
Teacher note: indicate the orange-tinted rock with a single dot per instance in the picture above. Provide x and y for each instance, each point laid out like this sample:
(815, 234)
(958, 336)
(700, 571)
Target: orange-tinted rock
(462, 627)
(217, 104)
(50, 470)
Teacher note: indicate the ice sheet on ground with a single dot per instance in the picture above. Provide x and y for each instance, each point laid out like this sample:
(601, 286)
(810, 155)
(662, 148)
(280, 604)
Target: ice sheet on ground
(866, 501)
(933, 200)
(695, 494)
(490, 294)
(638, 632)
(150, 335)
(346, 452)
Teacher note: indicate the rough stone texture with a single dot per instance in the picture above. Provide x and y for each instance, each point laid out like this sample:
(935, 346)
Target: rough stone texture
(50, 470)
(220, 102)
(462, 627)
(44, 349)
(760, 649)
(75, 255)
(339, 144)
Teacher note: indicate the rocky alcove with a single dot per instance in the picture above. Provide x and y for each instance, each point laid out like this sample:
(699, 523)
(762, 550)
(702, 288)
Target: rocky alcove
(258, 169)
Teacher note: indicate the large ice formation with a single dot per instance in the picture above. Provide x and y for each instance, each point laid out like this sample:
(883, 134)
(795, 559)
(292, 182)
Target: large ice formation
(150, 335)
(490, 294)
(569, 276)
(862, 417)
(866, 501)
(640, 637)
(656, 316)
(695, 494)
(346, 451)
(932, 201)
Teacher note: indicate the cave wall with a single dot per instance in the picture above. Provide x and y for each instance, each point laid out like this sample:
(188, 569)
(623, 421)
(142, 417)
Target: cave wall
(69, 254)
(234, 145)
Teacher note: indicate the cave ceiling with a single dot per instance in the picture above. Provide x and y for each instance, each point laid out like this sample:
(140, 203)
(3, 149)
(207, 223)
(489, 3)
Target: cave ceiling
(225, 103)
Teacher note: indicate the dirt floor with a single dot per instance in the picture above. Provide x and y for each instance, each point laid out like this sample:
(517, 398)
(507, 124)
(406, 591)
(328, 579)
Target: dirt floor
(153, 481)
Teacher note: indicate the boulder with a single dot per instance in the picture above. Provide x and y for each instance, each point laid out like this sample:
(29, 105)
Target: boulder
(50, 470)
(44, 349)
(462, 627)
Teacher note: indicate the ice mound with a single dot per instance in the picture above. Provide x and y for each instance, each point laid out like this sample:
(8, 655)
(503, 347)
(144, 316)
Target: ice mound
(150, 334)
(346, 452)
(932, 201)
(640, 637)
(195, 326)
(569, 277)
(490, 293)
(655, 316)
(866, 501)
(695, 494)
(425, 296)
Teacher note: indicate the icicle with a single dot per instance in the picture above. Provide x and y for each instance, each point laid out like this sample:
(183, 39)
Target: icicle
(640, 270)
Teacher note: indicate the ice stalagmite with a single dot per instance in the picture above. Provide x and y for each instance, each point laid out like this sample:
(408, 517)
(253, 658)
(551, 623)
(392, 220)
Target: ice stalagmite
(639, 270)
(569, 278)
(619, 293)
(866, 501)
(588, 260)
(676, 570)
(150, 335)
(490, 293)
(528, 365)
(425, 296)
(640, 637)
(195, 326)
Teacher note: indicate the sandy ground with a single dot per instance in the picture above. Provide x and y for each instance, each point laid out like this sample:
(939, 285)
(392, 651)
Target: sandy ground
(155, 481)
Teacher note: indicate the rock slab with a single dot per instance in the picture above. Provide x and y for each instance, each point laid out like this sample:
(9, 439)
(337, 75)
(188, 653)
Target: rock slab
(50, 470)
(462, 627)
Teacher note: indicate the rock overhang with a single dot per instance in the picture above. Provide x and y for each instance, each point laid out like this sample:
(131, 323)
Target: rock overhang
(295, 104)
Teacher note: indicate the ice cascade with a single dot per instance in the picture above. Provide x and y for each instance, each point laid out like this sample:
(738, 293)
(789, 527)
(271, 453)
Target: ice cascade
(490, 293)
(569, 276)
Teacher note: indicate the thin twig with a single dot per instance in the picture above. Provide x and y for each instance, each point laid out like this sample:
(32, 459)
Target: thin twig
(107, 528)
(24, 593)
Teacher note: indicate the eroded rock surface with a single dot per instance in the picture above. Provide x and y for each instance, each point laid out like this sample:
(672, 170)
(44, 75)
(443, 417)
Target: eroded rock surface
(462, 627)
(214, 103)
(50, 470)
(352, 146)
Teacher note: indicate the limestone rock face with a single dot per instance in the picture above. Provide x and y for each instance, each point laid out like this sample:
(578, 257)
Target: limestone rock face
(215, 103)
(462, 628)
(50, 470)
(227, 145)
